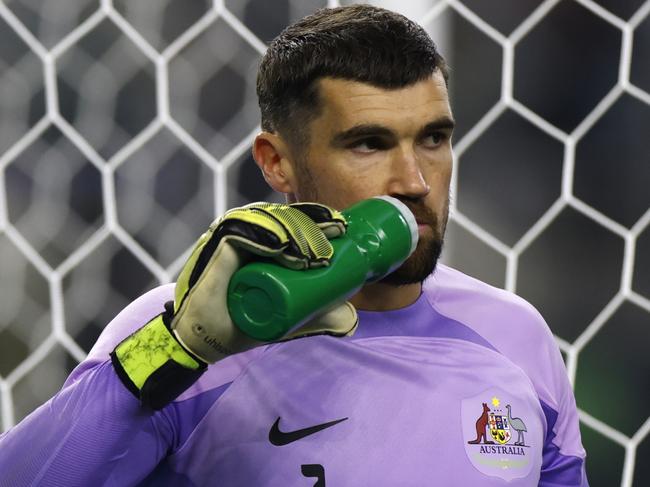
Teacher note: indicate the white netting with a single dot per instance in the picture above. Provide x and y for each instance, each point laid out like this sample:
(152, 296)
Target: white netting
(106, 84)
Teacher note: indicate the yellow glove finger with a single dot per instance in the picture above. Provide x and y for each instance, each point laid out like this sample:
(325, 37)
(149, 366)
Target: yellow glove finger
(307, 243)
(330, 221)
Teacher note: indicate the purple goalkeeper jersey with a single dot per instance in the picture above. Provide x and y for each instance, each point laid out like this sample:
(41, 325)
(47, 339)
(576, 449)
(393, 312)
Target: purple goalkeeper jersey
(464, 387)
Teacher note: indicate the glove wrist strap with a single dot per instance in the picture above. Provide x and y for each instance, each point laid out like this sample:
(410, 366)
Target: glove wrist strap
(154, 366)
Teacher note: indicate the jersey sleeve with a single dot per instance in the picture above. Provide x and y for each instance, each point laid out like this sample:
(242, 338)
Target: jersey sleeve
(563, 455)
(539, 356)
(93, 431)
(537, 353)
(88, 433)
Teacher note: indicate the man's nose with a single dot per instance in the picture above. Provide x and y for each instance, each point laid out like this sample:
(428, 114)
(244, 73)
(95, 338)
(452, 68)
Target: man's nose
(407, 178)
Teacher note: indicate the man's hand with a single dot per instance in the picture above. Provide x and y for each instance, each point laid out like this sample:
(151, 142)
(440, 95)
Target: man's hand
(167, 355)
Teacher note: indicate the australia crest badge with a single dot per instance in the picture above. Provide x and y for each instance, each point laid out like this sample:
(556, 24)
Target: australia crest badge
(501, 434)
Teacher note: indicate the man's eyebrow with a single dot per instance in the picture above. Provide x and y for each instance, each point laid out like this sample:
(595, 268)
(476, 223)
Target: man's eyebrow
(375, 130)
(443, 123)
(361, 131)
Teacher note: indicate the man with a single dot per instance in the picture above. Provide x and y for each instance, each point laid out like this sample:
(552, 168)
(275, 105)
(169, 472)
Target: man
(446, 380)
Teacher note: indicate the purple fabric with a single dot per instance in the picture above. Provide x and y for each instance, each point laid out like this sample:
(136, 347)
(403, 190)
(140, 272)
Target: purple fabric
(79, 436)
(418, 387)
(557, 469)
(519, 332)
(163, 475)
(414, 320)
(402, 398)
(186, 414)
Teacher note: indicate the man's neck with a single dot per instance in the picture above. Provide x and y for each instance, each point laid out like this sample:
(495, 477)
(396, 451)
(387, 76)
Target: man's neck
(383, 297)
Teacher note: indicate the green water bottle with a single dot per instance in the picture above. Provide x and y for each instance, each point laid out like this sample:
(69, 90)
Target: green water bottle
(266, 300)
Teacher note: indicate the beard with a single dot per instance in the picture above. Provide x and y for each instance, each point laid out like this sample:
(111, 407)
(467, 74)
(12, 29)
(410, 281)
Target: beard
(422, 262)
(424, 259)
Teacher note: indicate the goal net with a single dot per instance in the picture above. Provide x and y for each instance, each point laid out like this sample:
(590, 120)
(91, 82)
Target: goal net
(126, 127)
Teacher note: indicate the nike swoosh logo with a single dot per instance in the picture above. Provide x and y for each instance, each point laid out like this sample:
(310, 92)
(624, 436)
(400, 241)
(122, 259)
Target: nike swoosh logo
(281, 438)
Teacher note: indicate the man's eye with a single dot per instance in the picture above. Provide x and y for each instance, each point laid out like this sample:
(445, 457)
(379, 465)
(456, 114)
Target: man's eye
(367, 145)
(435, 139)
(363, 147)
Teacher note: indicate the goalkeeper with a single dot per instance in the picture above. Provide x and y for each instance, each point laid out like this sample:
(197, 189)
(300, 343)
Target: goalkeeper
(427, 377)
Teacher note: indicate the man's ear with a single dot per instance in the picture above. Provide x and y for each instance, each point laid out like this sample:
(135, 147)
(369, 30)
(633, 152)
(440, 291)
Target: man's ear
(272, 155)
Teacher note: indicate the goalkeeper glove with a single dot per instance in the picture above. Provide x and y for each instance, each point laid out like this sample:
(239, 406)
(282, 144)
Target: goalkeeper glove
(163, 358)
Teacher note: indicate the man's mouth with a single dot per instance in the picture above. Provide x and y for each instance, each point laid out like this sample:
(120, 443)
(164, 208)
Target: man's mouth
(424, 217)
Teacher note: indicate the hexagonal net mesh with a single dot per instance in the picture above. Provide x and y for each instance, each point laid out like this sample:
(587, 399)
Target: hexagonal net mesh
(126, 127)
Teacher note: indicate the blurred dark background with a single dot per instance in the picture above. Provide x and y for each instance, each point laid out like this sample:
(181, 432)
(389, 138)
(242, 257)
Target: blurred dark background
(124, 131)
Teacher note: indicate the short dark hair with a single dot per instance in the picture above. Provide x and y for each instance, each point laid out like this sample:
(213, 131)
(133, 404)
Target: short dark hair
(358, 42)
